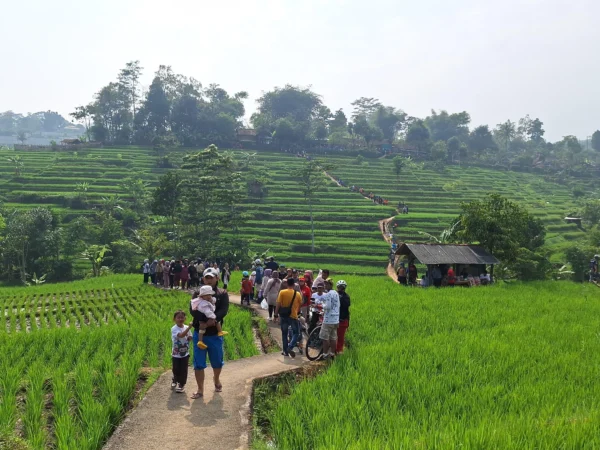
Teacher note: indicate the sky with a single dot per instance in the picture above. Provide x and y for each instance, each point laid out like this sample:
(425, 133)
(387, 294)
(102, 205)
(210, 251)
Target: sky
(497, 60)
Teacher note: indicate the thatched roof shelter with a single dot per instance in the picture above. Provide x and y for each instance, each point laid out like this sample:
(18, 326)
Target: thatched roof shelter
(447, 254)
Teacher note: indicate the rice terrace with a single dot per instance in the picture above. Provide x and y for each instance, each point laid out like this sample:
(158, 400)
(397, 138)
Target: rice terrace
(300, 266)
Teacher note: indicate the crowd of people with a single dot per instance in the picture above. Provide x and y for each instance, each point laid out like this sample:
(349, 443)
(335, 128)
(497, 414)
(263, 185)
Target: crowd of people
(294, 299)
(181, 273)
(441, 275)
(375, 198)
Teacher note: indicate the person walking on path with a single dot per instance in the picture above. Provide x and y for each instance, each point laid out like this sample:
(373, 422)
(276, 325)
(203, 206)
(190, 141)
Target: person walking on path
(159, 272)
(166, 277)
(185, 275)
(213, 342)
(180, 354)
(225, 275)
(288, 304)
(271, 292)
(177, 274)
(146, 271)
(153, 267)
(344, 315)
(331, 320)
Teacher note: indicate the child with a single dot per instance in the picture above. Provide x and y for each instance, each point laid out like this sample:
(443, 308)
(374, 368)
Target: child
(246, 288)
(204, 302)
(180, 355)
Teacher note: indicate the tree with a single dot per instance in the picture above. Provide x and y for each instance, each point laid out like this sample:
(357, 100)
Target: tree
(418, 135)
(481, 139)
(30, 236)
(591, 211)
(212, 204)
(531, 129)
(389, 120)
(84, 114)
(365, 106)
(136, 189)
(82, 189)
(312, 182)
(22, 136)
(339, 121)
(571, 144)
(399, 164)
(443, 126)
(168, 195)
(505, 133)
(500, 226)
(95, 254)
(596, 140)
(129, 80)
(453, 146)
(299, 106)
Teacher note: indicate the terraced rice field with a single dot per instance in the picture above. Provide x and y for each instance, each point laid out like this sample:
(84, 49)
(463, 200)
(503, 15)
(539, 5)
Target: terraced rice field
(347, 235)
(434, 198)
(73, 356)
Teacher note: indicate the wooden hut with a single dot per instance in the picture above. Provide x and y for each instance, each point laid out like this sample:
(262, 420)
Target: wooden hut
(459, 256)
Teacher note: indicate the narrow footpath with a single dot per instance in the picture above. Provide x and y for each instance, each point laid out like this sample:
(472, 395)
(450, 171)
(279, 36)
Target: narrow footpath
(384, 227)
(165, 419)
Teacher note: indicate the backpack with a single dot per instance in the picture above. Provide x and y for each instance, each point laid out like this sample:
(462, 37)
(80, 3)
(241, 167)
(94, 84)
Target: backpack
(286, 311)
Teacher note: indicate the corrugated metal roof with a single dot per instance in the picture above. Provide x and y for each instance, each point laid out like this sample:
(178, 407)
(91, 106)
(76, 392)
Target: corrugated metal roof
(447, 254)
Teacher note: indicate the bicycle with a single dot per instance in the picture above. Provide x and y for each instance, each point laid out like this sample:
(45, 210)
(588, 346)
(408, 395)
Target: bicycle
(314, 343)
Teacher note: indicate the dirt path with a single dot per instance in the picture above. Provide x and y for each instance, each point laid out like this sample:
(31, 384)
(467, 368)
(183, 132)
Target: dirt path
(383, 227)
(164, 419)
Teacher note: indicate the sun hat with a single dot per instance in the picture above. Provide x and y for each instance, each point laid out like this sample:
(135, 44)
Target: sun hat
(206, 290)
(210, 272)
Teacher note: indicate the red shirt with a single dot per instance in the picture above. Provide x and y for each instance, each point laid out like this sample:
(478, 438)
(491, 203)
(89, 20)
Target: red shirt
(246, 286)
(451, 277)
(306, 294)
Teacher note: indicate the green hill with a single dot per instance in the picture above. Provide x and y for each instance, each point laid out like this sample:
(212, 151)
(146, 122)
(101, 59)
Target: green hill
(347, 235)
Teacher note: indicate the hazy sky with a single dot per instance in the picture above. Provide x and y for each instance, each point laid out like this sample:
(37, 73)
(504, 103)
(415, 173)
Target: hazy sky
(495, 59)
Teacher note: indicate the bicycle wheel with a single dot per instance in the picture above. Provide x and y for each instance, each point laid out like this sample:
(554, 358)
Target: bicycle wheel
(314, 344)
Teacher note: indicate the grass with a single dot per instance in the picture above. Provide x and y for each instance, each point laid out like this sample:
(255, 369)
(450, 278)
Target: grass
(510, 366)
(73, 356)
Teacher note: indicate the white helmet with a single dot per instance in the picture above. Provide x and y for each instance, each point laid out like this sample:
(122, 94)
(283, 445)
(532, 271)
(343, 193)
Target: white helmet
(341, 283)
(211, 272)
(258, 262)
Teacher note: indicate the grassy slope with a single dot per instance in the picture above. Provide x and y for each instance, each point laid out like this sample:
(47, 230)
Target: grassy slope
(503, 367)
(347, 235)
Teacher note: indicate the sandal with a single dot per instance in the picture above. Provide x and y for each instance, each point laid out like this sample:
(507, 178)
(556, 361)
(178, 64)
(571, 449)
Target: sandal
(196, 395)
(218, 388)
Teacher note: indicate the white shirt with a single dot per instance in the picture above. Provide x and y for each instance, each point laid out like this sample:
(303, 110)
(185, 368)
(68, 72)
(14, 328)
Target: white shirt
(181, 345)
(331, 308)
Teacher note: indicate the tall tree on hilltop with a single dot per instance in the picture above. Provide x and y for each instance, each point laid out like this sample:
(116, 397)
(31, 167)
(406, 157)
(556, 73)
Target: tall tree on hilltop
(168, 196)
(389, 120)
(299, 106)
(444, 126)
(365, 106)
(481, 139)
(129, 80)
(505, 133)
(418, 135)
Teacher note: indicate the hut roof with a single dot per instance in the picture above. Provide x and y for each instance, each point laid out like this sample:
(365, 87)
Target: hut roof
(447, 254)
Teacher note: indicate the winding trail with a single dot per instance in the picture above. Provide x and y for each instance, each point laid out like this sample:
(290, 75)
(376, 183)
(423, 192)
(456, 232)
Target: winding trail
(384, 227)
(165, 419)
